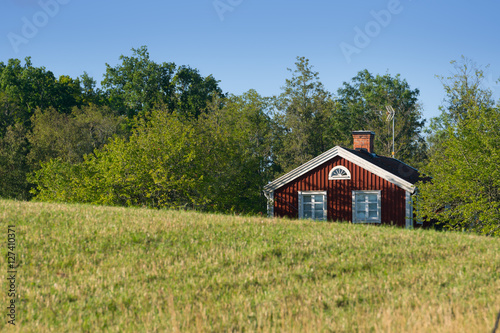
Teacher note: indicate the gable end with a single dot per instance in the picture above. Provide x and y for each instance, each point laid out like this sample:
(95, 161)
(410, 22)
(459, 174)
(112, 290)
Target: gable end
(326, 156)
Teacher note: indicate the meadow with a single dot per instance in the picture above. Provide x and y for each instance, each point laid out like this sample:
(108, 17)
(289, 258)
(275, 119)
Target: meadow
(90, 268)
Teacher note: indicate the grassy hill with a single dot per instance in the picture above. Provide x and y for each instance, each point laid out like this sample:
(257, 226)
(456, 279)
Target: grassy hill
(87, 268)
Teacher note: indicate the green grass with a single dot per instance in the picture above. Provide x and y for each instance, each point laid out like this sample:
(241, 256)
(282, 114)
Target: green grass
(88, 268)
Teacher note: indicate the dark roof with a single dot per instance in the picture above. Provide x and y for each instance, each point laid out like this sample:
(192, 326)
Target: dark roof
(390, 164)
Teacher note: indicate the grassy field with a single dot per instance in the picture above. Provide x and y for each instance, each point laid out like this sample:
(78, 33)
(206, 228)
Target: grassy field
(87, 268)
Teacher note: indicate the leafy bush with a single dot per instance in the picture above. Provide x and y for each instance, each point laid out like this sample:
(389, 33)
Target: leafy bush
(207, 163)
(464, 193)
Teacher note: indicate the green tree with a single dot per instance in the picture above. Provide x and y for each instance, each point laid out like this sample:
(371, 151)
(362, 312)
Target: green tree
(13, 163)
(193, 92)
(154, 168)
(304, 111)
(362, 106)
(71, 136)
(238, 139)
(90, 93)
(218, 162)
(29, 87)
(137, 84)
(464, 193)
(10, 113)
(464, 91)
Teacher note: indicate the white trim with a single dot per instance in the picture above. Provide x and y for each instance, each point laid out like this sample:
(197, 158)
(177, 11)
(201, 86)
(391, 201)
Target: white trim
(270, 203)
(271, 200)
(325, 206)
(341, 167)
(334, 152)
(379, 207)
(409, 211)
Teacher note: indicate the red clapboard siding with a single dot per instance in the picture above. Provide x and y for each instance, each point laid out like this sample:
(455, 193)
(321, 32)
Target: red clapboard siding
(339, 193)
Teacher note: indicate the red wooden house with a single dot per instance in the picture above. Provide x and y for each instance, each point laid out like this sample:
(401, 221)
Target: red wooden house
(347, 185)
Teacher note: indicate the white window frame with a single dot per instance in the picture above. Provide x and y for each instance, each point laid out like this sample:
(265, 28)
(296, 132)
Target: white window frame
(343, 168)
(378, 219)
(301, 203)
(409, 211)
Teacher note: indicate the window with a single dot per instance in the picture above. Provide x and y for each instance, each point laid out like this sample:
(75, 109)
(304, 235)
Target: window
(339, 172)
(312, 205)
(366, 207)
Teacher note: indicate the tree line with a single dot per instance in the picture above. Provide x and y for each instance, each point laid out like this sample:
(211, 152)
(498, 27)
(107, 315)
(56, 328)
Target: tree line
(162, 135)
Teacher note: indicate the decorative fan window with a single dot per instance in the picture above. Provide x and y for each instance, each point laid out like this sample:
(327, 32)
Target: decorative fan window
(339, 172)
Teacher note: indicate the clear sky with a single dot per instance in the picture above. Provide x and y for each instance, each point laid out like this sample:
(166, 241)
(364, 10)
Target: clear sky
(249, 44)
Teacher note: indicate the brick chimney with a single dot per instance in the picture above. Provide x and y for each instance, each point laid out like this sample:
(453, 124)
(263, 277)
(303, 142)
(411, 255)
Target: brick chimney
(363, 140)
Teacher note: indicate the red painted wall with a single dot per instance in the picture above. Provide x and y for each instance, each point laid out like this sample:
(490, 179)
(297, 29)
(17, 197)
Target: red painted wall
(339, 193)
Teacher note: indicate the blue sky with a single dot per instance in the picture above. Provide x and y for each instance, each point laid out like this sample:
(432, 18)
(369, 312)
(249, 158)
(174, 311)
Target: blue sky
(249, 44)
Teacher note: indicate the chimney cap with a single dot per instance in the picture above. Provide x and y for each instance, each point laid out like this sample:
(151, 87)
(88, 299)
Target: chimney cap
(363, 132)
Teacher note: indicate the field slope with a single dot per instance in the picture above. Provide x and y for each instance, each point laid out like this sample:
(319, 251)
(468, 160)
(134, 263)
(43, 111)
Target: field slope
(87, 268)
